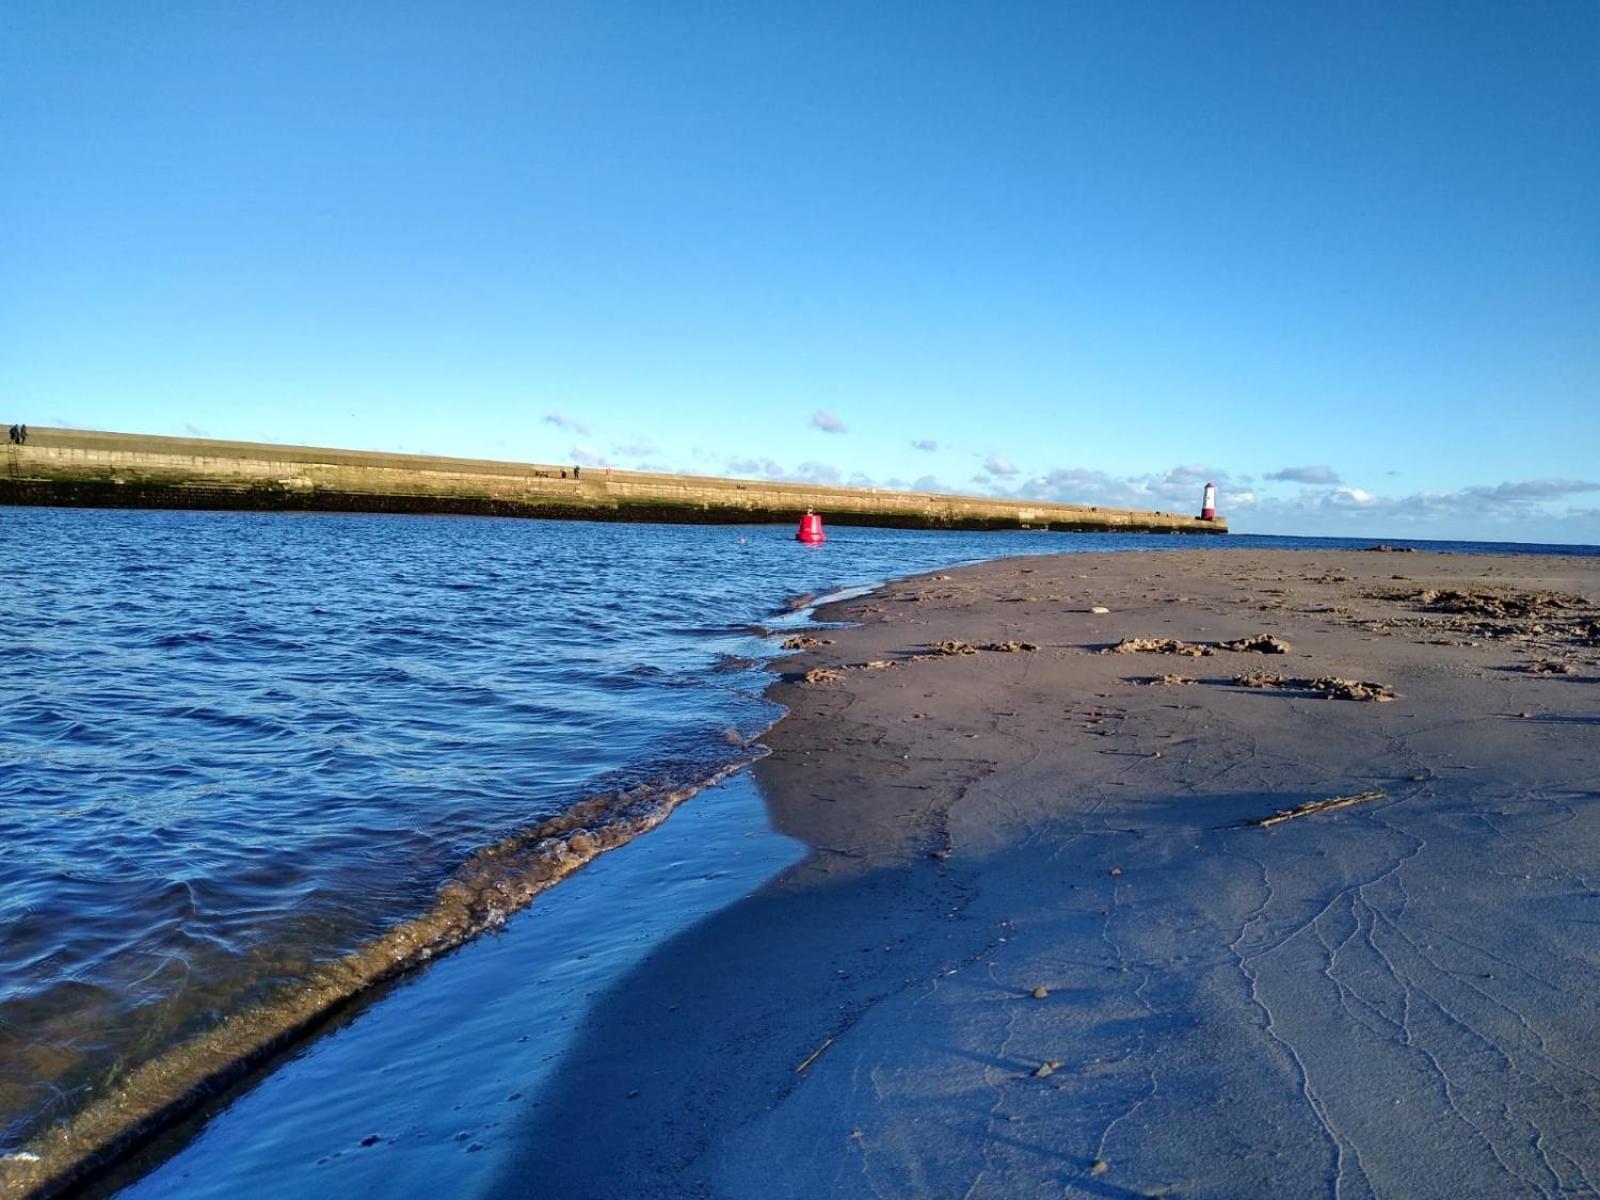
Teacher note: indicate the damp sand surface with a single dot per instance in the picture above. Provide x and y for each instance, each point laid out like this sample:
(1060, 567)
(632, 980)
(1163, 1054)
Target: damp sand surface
(1044, 945)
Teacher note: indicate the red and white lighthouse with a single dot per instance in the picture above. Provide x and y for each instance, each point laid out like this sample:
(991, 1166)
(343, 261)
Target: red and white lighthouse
(1208, 506)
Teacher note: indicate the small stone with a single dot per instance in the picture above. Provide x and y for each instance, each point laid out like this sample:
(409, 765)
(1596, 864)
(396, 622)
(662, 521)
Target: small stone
(1099, 1167)
(1040, 992)
(1046, 1068)
(1100, 609)
(1115, 871)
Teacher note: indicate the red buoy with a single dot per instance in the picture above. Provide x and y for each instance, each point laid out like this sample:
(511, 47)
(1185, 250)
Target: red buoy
(810, 530)
(1208, 506)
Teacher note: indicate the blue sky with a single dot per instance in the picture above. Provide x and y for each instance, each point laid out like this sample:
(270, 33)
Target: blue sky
(1343, 259)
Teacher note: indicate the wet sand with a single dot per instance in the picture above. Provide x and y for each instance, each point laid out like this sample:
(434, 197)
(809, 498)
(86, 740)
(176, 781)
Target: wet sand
(1043, 944)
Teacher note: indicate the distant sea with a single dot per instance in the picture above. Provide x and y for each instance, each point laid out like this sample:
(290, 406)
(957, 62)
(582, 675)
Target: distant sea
(236, 748)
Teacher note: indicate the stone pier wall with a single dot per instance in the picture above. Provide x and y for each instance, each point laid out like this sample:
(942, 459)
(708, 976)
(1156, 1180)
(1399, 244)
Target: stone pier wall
(119, 470)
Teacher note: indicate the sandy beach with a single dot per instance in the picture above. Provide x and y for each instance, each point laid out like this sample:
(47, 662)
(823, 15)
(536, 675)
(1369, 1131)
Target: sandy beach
(1049, 939)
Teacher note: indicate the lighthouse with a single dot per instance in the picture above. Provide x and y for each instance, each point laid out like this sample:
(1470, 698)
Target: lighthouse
(1208, 505)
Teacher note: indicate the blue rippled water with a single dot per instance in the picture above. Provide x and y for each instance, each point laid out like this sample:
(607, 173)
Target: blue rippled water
(235, 745)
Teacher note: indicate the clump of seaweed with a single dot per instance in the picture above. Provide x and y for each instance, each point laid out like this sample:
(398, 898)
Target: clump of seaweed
(1330, 687)
(1159, 646)
(1261, 679)
(1334, 688)
(1259, 643)
(1550, 666)
(1497, 604)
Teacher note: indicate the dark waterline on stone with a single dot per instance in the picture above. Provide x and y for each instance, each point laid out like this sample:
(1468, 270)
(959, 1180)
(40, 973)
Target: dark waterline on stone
(238, 748)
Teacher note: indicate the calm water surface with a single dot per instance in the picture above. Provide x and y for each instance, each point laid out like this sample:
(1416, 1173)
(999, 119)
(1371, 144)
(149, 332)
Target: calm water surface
(233, 746)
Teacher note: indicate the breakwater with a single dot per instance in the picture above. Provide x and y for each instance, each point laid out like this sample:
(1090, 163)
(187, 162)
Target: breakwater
(88, 469)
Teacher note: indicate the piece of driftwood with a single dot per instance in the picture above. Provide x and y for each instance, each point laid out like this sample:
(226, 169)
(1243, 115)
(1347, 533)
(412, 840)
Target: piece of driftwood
(1316, 806)
(814, 1055)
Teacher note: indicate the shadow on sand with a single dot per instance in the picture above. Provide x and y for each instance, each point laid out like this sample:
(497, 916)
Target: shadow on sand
(708, 1032)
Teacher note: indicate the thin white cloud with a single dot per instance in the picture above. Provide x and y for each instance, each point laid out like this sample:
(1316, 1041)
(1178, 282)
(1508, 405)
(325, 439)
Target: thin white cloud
(570, 424)
(816, 472)
(1320, 476)
(756, 468)
(633, 450)
(1533, 490)
(997, 466)
(1177, 489)
(586, 457)
(827, 422)
(1516, 510)
(926, 445)
(1351, 497)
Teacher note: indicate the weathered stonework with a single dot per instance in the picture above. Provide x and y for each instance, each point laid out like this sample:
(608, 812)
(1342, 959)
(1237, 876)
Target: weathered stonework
(119, 470)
